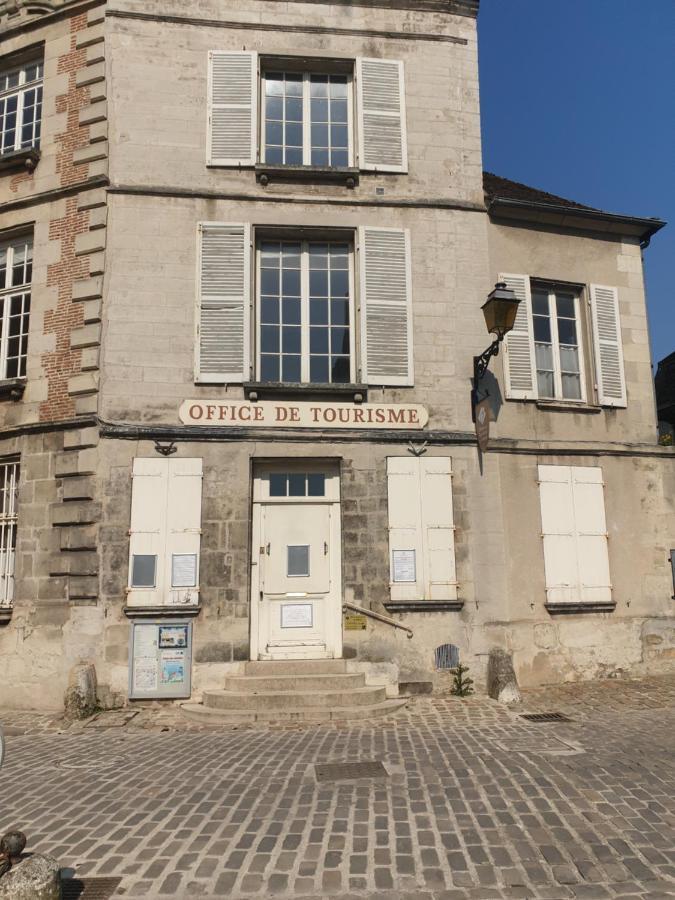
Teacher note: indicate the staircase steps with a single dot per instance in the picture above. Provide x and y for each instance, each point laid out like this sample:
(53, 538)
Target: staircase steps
(293, 691)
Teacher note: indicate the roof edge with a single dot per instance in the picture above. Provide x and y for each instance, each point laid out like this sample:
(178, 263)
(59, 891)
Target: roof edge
(644, 228)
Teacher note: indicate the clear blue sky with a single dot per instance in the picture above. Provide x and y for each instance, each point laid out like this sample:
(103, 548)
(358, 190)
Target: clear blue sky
(578, 98)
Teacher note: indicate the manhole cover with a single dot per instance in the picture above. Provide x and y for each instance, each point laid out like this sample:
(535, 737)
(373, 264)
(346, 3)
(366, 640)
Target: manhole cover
(111, 719)
(546, 717)
(89, 888)
(350, 771)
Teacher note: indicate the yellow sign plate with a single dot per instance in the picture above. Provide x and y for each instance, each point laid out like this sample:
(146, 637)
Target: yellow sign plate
(356, 623)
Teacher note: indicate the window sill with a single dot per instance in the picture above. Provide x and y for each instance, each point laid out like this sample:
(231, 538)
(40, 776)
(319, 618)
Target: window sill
(255, 390)
(348, 176)
(151, 612)
(567, 406)
(12, 388)
(19, 159)
(401, 606)
(563, 608)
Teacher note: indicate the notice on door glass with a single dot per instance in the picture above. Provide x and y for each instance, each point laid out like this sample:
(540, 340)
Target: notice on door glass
(404, 568)
(296, 615)
(184, 570)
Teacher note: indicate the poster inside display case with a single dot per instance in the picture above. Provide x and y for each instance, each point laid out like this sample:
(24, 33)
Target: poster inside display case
(160, 660)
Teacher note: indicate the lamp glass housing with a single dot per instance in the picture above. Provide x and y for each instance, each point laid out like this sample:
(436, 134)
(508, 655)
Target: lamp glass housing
(500, 310)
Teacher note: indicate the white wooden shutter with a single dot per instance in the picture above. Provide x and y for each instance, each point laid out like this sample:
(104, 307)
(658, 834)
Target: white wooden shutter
(166, 501)
(608, 347)
(232, 109)
(520, 369)
(419, 492)
(183, 528)
(224, 314)
(383, 142)
(147, 532)
(440, 579)
(386, 306)
(574, 534)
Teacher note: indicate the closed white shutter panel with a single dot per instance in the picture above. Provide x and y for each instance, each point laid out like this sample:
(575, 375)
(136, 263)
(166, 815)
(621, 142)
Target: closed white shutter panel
(381, 115)
(224, 303)
(405, 523)
(232, 109)
(421, 521)
(166, 501)
(608, 346)
(439, 528)
(147, 532)
(183, 527)
(574, 534)
(520, 371)
(591, 527)
(386, 306)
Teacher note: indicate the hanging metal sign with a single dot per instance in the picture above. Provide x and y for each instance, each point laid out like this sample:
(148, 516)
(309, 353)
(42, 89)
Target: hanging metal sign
(482, 412)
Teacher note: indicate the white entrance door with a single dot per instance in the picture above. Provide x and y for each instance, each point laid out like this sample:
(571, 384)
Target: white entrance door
(296, 567)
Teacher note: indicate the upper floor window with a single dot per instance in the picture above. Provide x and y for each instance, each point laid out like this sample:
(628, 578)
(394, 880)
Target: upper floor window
(558, 350)
(296, 309)
(306, 112)
(16, 269)
(553, 336)
(306, 119)
(20, 107)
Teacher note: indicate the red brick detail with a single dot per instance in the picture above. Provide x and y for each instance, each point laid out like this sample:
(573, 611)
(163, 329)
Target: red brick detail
(74, 137)
(62, 363)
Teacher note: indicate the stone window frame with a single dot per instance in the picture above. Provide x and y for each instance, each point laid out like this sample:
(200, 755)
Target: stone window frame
(21, 91)
(552, 288)
(8, 294)
(9, 490)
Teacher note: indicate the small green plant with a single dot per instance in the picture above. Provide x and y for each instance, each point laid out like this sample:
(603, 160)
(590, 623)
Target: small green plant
(666, 440)
(462, 685)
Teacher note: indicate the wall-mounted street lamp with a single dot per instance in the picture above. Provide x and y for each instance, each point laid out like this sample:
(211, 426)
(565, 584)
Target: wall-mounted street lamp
(500, 311)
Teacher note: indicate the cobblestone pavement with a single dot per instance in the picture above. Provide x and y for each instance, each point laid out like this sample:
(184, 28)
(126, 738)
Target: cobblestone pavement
(478, 802)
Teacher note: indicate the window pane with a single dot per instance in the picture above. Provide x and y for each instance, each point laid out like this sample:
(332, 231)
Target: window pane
(340, 158)
(339, 312)
(544, 356)
(298, 561)
(318, 370)
(293, 109)
(571, 385)
(545, 383)
(293, 135)
(274, 155)
(320, 157)
(274, 84)
(319, 135)
(293, 156)
(540, 303)
(290, 342)
(290, 282)
(339, 283)
(569, 359)
(319, 110)
(338, 136)
(338, 86)
(274, 133)
(318, 340)
(319, 86)
(318, 283)
(278, 484)
(291, 369)
(340, 370)
(567, 331)
(274, 109)
(565, 305)
(316, 485)
(339, 340)
(269, 368)
(542, 328)
(294, 85)
(269, 339)
(338, 112)
(318, 312)
(291, 312)
(269, 281)
(269, 310)
(297, 484)
(143, 570)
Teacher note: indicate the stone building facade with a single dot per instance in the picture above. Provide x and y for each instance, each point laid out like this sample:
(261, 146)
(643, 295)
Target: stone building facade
(260, 241)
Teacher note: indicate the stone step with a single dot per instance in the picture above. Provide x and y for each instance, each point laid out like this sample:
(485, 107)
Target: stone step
(293, 700)
(257, 684)
(276, 667)
(309, 716)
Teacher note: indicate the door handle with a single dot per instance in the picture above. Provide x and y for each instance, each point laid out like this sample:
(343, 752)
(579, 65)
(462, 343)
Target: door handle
(325, 548)
(268, 550)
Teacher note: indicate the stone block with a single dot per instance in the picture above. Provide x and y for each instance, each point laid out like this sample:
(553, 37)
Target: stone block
(96, 112)
(86, 405)
(86, 383)
(90, 362)
(92, 199)
(79, 513)
(88, 289)
(80, 438)
(80, 488)
(98, 218)
(95, 52)
(90, 153)
(82, 587)
(86, 336)
(92, 35)
(90, 242)
(80, 699)
(36, 877)
(90, 75)
(92, 311)
(79, 537)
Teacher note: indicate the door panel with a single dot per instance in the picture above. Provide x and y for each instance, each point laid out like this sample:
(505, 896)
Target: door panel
(297, 549)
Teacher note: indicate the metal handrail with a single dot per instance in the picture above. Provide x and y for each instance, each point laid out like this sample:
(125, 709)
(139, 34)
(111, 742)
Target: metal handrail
(378, 616)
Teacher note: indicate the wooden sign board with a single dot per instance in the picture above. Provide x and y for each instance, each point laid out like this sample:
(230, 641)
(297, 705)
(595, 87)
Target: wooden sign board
(273, 414)
(482, 413)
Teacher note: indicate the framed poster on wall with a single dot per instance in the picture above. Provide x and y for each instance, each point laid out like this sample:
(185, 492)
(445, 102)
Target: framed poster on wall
(160, 660)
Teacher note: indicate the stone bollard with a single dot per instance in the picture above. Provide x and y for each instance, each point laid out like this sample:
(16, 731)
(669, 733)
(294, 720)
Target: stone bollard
(80, 700)
(36, 877)
(502, 684)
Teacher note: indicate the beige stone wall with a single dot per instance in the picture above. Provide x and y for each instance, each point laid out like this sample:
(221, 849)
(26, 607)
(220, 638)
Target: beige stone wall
(582, 259)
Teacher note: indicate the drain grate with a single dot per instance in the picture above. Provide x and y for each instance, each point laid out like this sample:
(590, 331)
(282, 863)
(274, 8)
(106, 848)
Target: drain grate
(546, 717)
(89, 888)
(350, 771)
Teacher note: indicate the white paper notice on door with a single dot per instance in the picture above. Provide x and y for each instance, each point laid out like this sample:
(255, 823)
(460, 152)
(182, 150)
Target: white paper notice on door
(145, 674)
(184, 570)
(404, 568)
(296, 615)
